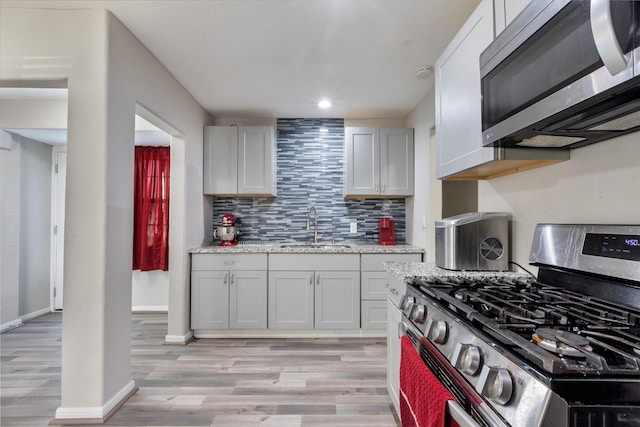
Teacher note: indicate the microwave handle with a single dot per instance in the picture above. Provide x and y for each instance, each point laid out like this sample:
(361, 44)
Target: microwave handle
(604, 37)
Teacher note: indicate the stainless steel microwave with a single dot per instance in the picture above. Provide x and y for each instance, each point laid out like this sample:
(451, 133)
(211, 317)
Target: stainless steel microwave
(563, 74)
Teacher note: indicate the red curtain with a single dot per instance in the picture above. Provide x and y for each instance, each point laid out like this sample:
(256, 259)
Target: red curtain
(151, 209)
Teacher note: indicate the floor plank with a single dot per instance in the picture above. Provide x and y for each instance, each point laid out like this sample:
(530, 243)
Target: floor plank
(210, 382)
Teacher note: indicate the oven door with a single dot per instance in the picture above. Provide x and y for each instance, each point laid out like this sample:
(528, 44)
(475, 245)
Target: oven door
(469, 409)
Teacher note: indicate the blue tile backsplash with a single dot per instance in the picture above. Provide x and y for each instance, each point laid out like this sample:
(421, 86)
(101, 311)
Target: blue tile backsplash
(309, 172)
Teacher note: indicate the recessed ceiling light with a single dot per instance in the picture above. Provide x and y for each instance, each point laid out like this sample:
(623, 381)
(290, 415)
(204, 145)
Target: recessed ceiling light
(324, 104)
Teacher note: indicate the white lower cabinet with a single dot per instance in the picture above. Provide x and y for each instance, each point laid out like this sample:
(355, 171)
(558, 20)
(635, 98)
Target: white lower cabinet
(337, 300)
(376, 285)
(209, 300)
(291, 296)
(229, 291)
(314, 300)
(293, 291)
(314, 291)
(393, 354)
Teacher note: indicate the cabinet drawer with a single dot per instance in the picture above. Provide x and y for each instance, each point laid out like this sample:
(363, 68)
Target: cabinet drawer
(373, 262)
(228, 262)
(314, 262)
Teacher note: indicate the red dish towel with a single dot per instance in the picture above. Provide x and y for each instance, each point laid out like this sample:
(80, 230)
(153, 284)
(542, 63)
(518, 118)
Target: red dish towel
(423, 399)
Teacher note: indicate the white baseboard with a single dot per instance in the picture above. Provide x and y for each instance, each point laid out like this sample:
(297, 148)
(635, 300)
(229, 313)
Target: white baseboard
(98, 413)
(290, 333)
(150, 308)
(35, 314)
(23, 319)
(11, 325)
(178, 339)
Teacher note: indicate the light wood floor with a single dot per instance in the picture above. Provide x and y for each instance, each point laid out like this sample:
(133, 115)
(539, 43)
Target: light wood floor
(210, 382)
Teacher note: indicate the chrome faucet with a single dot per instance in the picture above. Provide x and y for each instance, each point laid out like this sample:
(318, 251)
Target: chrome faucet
(315, 218)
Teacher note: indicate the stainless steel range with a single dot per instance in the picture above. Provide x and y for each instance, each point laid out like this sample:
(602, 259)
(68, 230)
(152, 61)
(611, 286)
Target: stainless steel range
(562, 349)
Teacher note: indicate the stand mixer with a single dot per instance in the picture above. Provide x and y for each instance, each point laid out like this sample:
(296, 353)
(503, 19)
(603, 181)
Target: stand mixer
(228, 233)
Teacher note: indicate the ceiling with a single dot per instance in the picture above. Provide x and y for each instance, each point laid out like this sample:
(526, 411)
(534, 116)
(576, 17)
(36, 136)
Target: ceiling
(278, 58)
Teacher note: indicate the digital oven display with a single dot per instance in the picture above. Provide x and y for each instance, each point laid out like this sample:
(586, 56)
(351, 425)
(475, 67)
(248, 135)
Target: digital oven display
(621, 246)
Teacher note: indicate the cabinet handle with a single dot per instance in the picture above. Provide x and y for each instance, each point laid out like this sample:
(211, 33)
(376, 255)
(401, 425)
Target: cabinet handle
(231, 281)
(377, 188)
(226, 278)
(384, 188)
(311, 279)
(317, 280)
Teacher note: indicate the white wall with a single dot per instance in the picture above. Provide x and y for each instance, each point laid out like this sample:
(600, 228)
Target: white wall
(9, 231)
(150, 290)
(424, 207)
(30, 161)
(29, 114)
(600, 184)
(375, 123)
(108, 72)
(25, 197)
(35, 227)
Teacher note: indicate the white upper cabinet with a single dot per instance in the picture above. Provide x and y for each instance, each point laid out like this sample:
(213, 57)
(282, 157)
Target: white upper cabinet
(240, 160)
(378, 162)
(460, 153)
(506, 11)
(458, 114)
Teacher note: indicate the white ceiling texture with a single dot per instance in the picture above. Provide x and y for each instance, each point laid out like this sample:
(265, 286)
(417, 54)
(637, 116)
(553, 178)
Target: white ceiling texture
(278, 58)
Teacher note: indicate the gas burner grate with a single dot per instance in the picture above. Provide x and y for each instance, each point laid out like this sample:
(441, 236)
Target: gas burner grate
(510, 311)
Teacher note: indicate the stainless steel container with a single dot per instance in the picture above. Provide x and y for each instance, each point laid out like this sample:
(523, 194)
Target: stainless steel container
(473, 241)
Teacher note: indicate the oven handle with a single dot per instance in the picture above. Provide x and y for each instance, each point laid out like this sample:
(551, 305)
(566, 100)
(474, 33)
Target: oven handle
(460, 415)
(456, 411)
(474, 400)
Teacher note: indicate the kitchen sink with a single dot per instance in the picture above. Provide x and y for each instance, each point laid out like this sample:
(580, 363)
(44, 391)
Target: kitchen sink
(314, 245)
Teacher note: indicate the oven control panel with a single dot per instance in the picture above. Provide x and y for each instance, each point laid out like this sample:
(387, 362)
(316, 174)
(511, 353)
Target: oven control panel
(620, 246)
(606, 250)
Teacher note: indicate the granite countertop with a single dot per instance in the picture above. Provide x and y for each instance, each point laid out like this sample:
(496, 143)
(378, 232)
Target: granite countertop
(407, 271)
(302, 248)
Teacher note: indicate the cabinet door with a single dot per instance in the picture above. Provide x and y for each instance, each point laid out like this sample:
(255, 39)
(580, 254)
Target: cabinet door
(374, 314)
(337, 300)
(458, 102)
(256, 160)
(220, 154)
(209, 300)
(393, 354)
(396, 162)
(506, 11)
(361, 162)
(291, 299)
(375, 285)
(248, 300)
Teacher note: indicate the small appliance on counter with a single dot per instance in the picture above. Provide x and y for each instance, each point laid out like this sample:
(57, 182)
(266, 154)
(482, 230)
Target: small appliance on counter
(386, 231)
(228, 233)
(473, 241)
